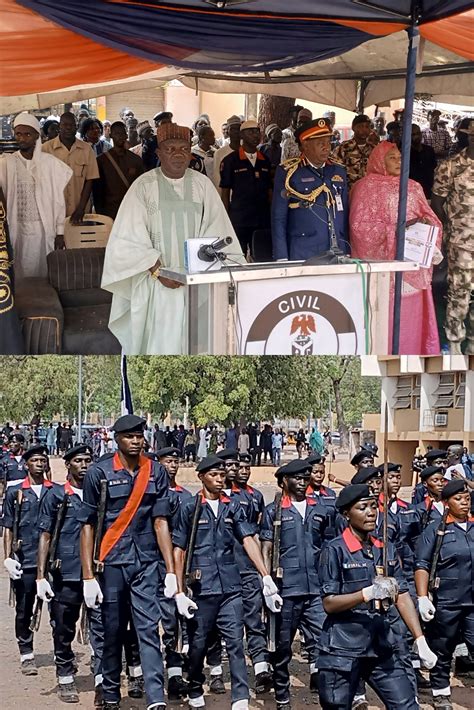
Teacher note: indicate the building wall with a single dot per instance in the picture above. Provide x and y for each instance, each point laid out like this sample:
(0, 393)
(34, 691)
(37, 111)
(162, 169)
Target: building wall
(144, 103)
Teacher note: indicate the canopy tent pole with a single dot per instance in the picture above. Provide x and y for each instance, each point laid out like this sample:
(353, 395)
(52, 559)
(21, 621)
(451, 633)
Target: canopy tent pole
(414, 40)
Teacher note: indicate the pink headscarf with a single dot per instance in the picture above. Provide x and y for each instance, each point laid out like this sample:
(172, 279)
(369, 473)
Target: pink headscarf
(376, 162)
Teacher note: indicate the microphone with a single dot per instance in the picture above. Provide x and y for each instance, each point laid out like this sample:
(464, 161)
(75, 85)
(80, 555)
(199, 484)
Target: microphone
(210, 252)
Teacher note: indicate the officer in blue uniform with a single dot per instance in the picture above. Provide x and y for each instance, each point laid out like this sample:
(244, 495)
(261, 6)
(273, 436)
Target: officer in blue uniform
(357, 641)
(449, 615)
(216, 583)
(246, 185)
(310, 198)
(434, 457)
(126, 575)
(304, 524)
(169, 458)
(21, 566)
(253, 505)
(12, 464)
(431, 508)
(59, 512)
(316, 487)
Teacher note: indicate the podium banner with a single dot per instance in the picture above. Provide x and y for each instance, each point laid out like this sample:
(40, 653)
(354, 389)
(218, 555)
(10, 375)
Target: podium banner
(305, 315)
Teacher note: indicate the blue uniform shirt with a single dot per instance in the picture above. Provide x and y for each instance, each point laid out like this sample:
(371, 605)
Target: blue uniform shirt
(346, 567)
(455, 567)
(300, 544)
(68, 548)
(28, 531)
(214, 549)
(300, 229)
(253, 506)
(139, 539)
(11, 469)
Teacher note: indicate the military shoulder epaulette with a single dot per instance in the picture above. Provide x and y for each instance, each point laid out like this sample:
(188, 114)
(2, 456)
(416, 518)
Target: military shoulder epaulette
(334, 161)
(290, 162)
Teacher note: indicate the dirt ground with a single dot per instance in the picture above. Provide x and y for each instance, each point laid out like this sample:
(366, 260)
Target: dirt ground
(39, 693)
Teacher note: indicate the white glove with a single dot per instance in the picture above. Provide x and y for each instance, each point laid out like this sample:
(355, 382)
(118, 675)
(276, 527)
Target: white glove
(426, 608)
(426, 655)
(43, 590)
(13, 568)
(269, 586)
(186, 607)
(274, 603)
(171, 586)
(437, 256)
(93, 596)
(368, 593)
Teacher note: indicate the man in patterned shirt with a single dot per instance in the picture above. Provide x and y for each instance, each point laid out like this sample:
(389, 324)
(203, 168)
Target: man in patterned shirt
(436, 137)
(453, 202)
(354, 153)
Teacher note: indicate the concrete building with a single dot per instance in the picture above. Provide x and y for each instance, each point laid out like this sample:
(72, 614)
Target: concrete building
(430, 402)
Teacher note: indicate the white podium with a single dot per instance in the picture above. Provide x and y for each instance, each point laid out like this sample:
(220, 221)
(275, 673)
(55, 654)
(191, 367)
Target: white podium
(290, 309)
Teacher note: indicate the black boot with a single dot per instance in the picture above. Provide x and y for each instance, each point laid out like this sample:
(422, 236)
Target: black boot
(28, 667)
(111, 705)
(135, 687)
(67, 692)
(263, 682)
(98, 697)
(216, 685)
(442, 702)
(177, 688)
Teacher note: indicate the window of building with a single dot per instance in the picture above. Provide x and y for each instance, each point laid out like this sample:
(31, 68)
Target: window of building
(407, 394)
(460, 392)
(444, 393)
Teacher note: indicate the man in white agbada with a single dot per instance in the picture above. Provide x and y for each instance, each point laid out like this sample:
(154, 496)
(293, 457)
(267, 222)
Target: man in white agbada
(33, 183)
(160, 211)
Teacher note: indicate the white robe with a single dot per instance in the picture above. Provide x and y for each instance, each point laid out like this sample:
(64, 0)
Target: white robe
(32, 234)
(155, 218)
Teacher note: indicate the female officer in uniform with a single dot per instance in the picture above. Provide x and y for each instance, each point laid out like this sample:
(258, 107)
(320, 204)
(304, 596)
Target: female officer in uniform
(445, 553)
(357, 640)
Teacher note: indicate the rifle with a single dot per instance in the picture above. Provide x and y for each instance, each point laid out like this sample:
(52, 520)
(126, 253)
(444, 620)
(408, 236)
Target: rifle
(433, 580)
(426, 515)
(98, 565)
(276, 570)
(189, 576)
(36, 615)
(16, 542)
(54, 563)
(83, 630)
(384, 605)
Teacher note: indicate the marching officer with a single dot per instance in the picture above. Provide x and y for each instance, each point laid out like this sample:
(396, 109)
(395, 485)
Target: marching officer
(445, 570)
(12, 464)
(358, 639)
(208, 527)
(169, 458)
(126, 498)
(363, 458)
(302, 530)
(326, 495)
(434, 457)
(21, 538)
(59, 558)
(310, 198)
(432, 506)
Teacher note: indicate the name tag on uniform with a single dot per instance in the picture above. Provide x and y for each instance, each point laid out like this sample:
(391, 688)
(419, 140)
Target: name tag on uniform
(352, 565)
(203, 522)
(308, 179)
(118, 482)
(228, 520)
(339, 205)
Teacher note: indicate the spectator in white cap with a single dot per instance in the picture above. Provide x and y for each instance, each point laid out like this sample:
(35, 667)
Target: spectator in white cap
(33, 183)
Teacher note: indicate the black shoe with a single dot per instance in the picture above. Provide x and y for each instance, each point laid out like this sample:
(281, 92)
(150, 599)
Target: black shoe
(463, 666)
(283, 706)
(263, 682)
(313, 682)
(361, 704)
(421, 682)
(177, 688)
(216, 685)
(111, 705)
(98, 697)
(67, 692)
(28, 667)
(135, 687)
(442, 702)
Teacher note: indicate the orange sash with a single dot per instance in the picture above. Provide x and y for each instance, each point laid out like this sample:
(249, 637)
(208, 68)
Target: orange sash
(124, 518)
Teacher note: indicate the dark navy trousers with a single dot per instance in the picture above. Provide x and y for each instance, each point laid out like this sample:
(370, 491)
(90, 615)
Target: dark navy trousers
(255, 631)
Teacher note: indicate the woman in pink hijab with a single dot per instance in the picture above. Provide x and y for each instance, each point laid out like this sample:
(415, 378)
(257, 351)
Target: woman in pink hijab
(373, 221)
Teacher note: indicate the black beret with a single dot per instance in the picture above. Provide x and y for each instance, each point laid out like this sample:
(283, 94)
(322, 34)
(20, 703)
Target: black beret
(129, 422)
(436, 454)
(76, 450)
(228, 455)
(362, 454)
(210, 463)
(38, 449)
(162, 114)
(364, 475)
(361, 118)
(392, 467)
(452, 487)
(297, 467)
(352, 494)
(371, 448)
(168, 451)
(17, 437)
(245, 458)
(430, 471)
(314, 458)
